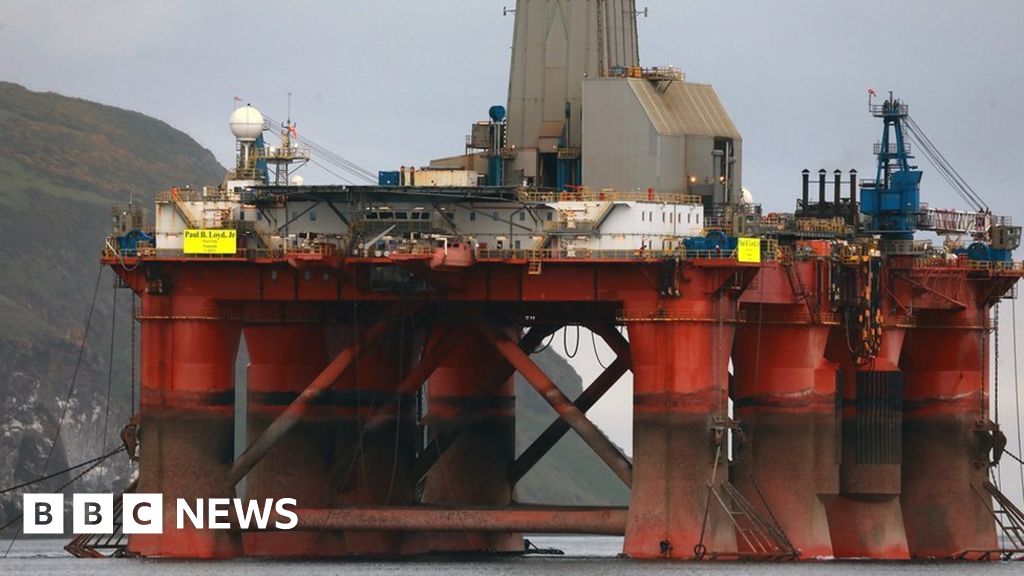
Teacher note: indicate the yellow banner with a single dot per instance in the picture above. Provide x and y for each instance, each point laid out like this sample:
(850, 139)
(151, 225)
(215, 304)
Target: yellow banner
(211, 241)
(749, 250)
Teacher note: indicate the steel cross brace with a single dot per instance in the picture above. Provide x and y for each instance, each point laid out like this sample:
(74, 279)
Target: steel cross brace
(429, 361)
(566, 410)
(298, 408)
(586, 400)
(439, 443)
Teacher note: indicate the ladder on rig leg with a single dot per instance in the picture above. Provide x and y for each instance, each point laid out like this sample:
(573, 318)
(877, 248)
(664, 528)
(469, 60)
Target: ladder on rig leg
(1009, 520)
(762, 535)
(764, 539)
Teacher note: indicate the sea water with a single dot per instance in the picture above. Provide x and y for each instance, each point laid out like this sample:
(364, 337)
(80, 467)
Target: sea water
(585, 556)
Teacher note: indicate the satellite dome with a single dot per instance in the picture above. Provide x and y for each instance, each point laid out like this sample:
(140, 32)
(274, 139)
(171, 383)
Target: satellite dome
(748, 197)
(246, 123)
(297, 180)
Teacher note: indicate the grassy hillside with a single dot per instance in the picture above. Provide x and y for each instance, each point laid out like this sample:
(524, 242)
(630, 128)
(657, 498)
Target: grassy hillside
(63, 162)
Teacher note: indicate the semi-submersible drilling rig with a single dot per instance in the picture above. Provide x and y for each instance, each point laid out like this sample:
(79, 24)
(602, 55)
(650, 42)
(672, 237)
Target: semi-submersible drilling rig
(807, 384)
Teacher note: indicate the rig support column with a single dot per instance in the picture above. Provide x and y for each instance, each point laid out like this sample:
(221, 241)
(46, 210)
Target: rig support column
(284, 358)
(785, 402)
(865, 519)
(474, 469)
(945, 456)
(189, 345)
(380, 473)
(680, 358)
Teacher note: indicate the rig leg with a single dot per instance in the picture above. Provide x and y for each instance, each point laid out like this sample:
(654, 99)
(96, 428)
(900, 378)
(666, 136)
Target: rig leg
(865, 519)
(284, 359)
(380, 474)
(474, 469)
(945, 508)
(784, 399)
(189, 347)
(302, 404)
(680, 367)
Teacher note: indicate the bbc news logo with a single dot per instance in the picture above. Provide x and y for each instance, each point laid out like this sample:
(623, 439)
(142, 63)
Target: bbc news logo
(144, 513)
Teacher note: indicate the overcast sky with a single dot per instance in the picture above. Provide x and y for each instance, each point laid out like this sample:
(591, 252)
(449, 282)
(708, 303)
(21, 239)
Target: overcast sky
(390, 82)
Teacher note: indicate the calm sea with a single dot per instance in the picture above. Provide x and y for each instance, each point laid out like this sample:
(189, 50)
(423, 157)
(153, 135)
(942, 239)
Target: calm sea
(587, 556)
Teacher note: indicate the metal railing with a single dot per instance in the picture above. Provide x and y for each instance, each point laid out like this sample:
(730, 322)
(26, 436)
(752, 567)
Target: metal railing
(885, 108)
(769, 253)
(829, 225)
(189, 195)
(570, 254)
(111, 250)
(289, 153)
(967, 264)
(657, 73)
(830, 318)
(587, 195)
(892, 148)
(416, 249)
(582, 226)
(662, 315)
(318, 249)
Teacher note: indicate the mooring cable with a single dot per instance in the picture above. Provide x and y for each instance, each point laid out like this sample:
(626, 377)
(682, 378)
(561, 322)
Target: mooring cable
(61, 472)
(593, 340)
(110, 366)
(10, 522)
(74, 376)
(565, 342)
(1016, 387)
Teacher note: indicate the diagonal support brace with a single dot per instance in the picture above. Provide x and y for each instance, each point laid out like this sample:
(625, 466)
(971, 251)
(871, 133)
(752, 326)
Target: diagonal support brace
(437, 446)
(590, 433)
(298, 408)
(586, 400)
(613, 338)
(412, 381)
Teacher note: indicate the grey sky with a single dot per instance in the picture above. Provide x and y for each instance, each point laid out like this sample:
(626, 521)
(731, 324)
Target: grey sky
(391, 82)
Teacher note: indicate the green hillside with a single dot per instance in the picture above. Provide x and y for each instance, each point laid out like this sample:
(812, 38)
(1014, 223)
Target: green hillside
(63, 162)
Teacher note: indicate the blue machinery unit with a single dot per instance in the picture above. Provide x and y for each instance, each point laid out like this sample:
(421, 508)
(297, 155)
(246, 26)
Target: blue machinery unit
(892, 202)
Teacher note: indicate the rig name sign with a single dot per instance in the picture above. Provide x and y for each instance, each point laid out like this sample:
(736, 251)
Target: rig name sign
(211, 241)
(749, 250)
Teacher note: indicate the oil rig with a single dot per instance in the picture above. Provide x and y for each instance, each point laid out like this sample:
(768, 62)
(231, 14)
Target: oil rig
(807, 384)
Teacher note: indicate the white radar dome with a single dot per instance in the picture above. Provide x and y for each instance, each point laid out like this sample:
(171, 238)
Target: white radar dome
(297, 180)
(246, 123)
(748, 197)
